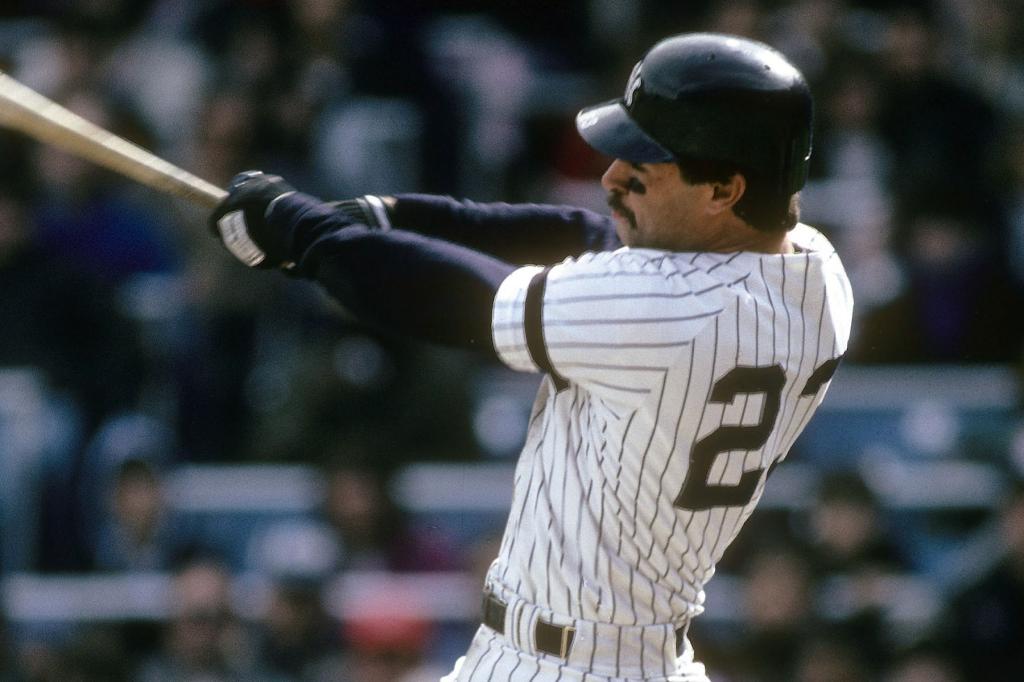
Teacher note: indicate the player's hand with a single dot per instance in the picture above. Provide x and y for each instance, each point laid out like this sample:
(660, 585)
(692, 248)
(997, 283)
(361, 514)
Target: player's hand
(240, 221)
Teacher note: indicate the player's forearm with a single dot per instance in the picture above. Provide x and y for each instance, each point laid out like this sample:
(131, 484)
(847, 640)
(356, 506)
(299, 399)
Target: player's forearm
(516, 233)
(395, 280)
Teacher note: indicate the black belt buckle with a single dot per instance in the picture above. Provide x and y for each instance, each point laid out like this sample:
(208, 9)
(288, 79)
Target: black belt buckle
(494, 613)
(554, 639)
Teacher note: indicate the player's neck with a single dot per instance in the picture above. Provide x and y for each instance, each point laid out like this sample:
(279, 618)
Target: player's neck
(777, 243)
(738, 236)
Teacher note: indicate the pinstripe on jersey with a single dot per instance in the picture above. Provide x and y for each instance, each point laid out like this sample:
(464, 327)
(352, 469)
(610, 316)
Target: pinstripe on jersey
(688, 375)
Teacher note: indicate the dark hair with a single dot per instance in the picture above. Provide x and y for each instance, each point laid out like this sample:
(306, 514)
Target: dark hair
(761, 207)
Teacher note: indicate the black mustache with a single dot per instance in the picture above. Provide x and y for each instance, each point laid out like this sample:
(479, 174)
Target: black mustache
(615, 202)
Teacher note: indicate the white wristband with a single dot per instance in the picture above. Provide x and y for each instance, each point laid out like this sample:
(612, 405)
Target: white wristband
(380, 211)
(235, 235)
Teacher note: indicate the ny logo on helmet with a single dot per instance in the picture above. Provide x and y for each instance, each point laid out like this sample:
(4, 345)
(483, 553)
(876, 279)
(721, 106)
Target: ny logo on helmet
(633, 84)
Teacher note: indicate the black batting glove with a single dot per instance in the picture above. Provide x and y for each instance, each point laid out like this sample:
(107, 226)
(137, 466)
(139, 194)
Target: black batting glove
(240, 221)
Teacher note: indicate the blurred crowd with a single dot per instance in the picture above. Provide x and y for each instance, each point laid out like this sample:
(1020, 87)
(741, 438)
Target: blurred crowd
(131, 344)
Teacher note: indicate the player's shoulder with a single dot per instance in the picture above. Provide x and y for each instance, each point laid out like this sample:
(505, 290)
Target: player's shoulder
(644, 282)
(655, 267)
(811, 243)
(808, 239)
(690, 270)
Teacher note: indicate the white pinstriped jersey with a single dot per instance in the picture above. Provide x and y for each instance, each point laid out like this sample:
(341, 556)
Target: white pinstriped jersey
(677, 381)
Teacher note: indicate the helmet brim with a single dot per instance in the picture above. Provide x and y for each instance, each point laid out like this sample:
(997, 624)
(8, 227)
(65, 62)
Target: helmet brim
(609, 129)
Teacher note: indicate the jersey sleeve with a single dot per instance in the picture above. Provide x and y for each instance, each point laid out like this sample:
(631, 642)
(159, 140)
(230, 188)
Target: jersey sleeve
(612, 322)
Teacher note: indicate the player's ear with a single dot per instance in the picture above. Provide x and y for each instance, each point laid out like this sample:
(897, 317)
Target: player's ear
(724, 195)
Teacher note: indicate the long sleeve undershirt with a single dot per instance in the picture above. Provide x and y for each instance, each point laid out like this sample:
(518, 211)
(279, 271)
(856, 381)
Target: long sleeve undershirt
(438, 283)
(524, 234)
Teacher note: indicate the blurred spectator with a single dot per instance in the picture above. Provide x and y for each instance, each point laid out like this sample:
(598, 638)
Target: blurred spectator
(204, 641)
(371, 528)
(297, 639)
(87, 218)
(811, 33)
(492, 74)
(849, 196)
(138, 535)
(388, 638)
(853, 556)
(159, 71)
(779, 615)
(211, 373)
(57, 317)
(847, 535)
(122, 512)
(939, 130)
(226, 135)
(987, 618)
(989, 50)
(39, 433)
(953, 308)
(385, 651)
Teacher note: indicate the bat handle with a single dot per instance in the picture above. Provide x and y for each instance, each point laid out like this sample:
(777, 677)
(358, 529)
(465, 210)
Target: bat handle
(210, 199)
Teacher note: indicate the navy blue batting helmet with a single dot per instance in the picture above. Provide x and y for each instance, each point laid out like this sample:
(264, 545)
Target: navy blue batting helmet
(715, 97)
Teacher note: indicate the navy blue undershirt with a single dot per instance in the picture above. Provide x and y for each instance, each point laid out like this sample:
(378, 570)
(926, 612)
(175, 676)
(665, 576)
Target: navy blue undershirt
(433, 276)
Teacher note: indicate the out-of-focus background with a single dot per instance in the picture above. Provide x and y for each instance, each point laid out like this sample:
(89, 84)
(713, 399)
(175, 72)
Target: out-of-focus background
(209, 473)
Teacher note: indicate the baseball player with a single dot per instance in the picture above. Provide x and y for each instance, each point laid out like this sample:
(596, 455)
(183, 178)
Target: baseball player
(685, 342)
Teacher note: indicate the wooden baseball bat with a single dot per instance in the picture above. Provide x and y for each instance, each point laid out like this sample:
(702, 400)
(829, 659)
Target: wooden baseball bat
(25, 110)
